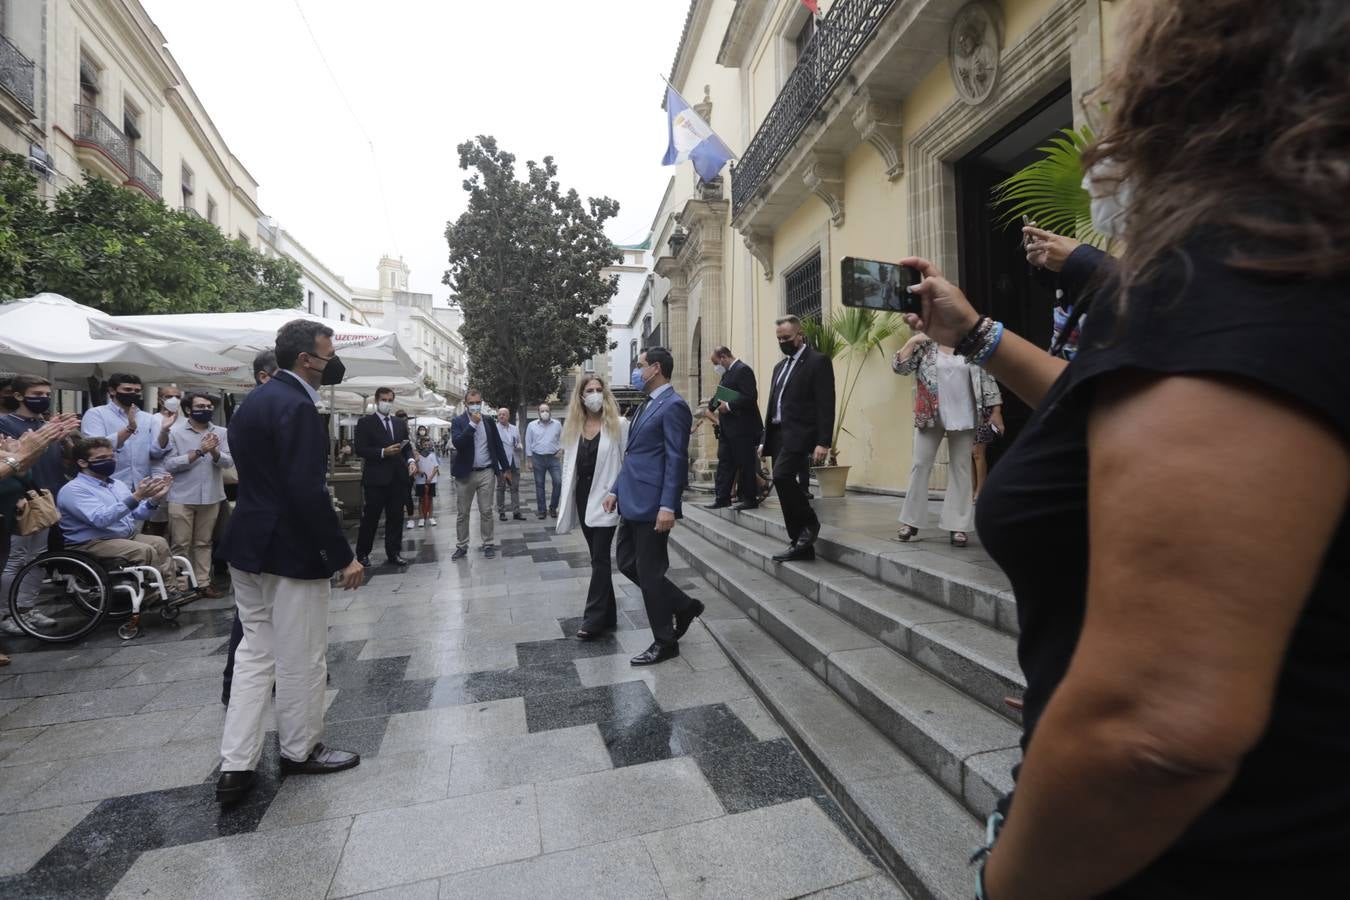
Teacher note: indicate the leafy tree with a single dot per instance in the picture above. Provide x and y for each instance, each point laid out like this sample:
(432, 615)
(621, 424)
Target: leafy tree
(525, 264)
(124, 253)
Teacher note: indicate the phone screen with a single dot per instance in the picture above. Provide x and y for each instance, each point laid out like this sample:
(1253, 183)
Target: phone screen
(870, 284)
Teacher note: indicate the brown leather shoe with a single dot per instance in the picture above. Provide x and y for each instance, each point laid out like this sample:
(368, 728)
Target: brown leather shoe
(211, 592)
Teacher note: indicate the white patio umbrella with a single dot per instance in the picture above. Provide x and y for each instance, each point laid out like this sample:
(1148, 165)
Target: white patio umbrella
(49, 335)
(366, 351)
(431, 421)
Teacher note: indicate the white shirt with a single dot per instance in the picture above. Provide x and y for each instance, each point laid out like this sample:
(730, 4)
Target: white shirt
(426, 468)
(543, 438)
(482, 458)
(313, 394)
(956, 403)
(782, 386)
(510, 440)
(135, 458)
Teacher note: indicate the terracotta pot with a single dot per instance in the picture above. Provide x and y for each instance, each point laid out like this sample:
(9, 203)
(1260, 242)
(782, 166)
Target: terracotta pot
(833, 479)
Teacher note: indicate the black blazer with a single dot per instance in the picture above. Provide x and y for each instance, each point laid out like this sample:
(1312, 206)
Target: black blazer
(378, 470)
(808, 403)
(283, 522)
(743, 422)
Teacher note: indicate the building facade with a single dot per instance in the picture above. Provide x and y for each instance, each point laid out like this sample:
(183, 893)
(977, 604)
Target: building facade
(632, 274)
(322, 291)
(877, 132)
(430, 333)
(88, 87)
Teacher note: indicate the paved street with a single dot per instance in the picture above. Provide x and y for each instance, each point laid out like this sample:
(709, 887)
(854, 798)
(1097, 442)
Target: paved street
(500, 757)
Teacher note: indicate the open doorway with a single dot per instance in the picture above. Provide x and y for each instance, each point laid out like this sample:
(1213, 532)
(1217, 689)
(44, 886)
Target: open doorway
(994, 271)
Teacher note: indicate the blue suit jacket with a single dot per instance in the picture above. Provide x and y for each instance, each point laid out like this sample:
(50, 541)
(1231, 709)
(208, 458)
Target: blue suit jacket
(283, 521)
(656, 463)
(462, 436)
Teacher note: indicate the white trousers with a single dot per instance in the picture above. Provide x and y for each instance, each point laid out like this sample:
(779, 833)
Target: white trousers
(958, 514)
(285, 635)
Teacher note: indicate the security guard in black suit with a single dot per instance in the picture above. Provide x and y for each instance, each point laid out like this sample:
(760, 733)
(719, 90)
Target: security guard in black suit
(386, 477)
(739, 431)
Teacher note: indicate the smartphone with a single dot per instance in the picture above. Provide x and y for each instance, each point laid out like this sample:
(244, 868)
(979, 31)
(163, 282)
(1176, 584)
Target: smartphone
(870, 284)
(1026, 238)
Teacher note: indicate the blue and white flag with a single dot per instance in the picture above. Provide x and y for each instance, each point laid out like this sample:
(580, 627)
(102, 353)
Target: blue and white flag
(692, 139)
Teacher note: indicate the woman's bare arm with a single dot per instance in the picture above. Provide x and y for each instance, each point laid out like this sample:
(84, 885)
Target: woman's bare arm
(1189, 616)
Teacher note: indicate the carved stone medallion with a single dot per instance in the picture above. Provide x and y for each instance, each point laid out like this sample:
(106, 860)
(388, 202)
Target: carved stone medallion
(973, 51)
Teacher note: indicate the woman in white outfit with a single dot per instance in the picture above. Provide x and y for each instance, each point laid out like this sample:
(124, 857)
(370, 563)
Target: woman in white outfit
(593, 441)
(948, 402)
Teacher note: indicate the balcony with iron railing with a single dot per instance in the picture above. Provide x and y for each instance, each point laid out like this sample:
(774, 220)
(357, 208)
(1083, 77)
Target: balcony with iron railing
(145, 176)
(844, 32)
(191, 212)
(95, 131)
(17, 74)
(652, 338)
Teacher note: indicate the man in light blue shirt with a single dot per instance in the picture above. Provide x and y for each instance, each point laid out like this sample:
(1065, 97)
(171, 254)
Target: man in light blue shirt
(101, 516)
(543, 450)
(509, 479)
(138, 437)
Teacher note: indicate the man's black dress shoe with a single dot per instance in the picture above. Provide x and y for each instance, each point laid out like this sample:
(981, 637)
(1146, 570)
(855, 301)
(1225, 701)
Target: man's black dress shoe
(720, 504)
(232, 786)
(501, 517)
(364, 561)
(798, 552)
(745, 504)
(519, 517)
(460, 553)
(685, 619)
(321, 761)
(655, 654)
(398, 561)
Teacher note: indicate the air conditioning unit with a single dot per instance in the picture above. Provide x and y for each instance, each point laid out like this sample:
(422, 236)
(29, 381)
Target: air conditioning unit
(40, 162)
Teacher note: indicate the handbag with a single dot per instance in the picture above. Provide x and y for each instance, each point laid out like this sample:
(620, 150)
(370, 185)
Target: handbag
(36, 511)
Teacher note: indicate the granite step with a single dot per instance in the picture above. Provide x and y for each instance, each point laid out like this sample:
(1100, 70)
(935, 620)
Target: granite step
(974, 591)
(922, 834)
(960, 743)
(970, 655)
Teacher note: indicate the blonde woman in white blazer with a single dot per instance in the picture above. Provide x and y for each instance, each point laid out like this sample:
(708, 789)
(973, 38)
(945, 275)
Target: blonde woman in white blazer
(593, 441)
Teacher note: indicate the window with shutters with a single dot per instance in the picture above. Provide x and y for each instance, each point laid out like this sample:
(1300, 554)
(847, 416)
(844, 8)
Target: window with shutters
(803, 289)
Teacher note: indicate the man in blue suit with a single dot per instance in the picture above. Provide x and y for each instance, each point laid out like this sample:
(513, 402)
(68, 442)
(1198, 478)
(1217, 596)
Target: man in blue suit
(479, 460)
(283, 543)
(647, 493)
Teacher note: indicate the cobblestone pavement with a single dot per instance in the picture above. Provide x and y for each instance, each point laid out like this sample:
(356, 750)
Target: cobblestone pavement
(500, 757)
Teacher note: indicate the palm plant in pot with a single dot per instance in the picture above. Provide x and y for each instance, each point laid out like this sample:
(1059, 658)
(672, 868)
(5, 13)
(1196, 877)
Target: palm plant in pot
(850, 334)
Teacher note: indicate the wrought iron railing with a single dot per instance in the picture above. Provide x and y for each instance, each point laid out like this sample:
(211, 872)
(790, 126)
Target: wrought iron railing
(93, 127)
(843, 34)
(191, 212)
(16, 73)
(652, 338)
(144, 173)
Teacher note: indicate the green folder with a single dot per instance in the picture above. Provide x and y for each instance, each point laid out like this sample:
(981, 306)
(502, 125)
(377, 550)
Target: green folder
(725, 393)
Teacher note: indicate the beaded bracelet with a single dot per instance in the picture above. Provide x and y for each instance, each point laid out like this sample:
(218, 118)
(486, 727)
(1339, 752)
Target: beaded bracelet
(992, 826)
(974, 338)
(990, 345)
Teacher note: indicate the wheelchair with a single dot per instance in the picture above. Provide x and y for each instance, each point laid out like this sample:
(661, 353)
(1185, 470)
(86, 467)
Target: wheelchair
(77, 591)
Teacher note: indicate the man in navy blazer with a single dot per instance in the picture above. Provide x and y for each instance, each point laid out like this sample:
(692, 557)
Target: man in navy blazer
(283, 543)
(647, 494)
(479, 459)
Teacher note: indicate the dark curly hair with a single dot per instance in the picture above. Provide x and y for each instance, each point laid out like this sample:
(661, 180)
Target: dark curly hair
(1233, 117)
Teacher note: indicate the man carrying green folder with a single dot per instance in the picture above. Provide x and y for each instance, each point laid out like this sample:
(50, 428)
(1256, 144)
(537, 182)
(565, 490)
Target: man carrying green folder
(740, 431)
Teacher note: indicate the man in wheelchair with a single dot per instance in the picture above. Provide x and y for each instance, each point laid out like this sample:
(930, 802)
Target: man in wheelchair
(101, 516)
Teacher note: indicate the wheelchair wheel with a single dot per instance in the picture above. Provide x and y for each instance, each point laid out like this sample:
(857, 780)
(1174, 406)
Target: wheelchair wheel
(69, 593)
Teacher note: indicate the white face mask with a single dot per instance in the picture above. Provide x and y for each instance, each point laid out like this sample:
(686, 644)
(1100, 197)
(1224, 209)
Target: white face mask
(172, 403)
(594, 402)
(475, 408)
(1110, 202)
(385, 407)
(544, 415)
(720, 369)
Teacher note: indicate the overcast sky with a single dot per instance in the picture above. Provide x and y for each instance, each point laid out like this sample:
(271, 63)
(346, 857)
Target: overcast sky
(578, 80)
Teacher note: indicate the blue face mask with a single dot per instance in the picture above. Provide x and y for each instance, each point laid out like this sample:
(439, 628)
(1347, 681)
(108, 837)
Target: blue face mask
(103, 467)
(37, 405)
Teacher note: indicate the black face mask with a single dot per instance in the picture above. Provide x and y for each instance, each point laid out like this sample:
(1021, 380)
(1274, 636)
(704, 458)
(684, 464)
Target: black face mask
(202, 415)
(128, 399)
(334, 372)
(788, 347)
(37, 405)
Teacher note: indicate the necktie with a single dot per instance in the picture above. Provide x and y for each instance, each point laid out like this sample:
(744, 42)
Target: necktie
(389, 424)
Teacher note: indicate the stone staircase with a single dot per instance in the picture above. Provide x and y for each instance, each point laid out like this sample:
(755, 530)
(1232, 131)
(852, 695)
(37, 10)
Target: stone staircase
(888, 664)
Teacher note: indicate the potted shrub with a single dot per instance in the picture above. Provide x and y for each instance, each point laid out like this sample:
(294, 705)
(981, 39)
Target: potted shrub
(849, 334)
